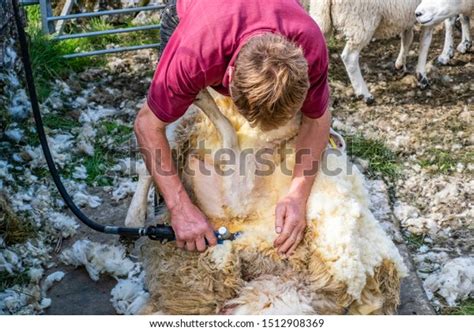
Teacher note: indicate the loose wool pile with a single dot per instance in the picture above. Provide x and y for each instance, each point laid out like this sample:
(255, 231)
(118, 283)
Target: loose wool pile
(345, 264)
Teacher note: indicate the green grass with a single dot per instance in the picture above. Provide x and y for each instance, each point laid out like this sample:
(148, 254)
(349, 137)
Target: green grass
(415, 241)
(99, 42)
(7, 280)
(104, 158)
(465, 308)
(382, 161)
(55, 121)
(97, 166)
(444, 161)
(47, 55)
(123, 39)
(334, 44)
(13, 228)
(140, 37)
(121, 133)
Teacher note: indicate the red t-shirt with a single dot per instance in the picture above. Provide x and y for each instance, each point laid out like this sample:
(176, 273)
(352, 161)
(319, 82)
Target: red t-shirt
(205, 45)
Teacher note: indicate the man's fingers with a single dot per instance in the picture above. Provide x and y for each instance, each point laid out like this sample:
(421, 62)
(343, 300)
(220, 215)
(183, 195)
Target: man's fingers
(288, 242)
(190, 246)
(201, 244)
(279, 218)
(180, 243)
(285, 233)
(297, 242)
(211, 238)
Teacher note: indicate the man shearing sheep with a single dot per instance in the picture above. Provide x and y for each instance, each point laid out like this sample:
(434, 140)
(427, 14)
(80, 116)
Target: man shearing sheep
(271, 58)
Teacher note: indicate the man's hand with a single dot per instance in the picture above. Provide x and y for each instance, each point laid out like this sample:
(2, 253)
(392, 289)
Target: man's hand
(290, 223)
(191, 228)
(189, 224)
(290, 211)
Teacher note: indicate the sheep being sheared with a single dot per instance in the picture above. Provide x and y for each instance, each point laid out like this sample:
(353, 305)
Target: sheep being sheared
(346, 262)
(360, 21)
(432, 12)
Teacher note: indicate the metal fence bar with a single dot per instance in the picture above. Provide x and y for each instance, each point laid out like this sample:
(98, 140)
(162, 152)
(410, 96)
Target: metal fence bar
(48, 19)
(29, 2)
(104, 32)
(104, 13)
(46, 12)
(111, 50)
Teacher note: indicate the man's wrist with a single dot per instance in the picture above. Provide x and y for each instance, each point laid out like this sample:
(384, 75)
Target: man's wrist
(300, 188)
(178, 200)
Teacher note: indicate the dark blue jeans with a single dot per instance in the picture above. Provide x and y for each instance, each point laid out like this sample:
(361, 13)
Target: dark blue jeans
(169, 22)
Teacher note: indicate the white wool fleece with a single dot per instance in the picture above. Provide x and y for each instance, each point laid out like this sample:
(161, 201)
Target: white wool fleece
(350, 240)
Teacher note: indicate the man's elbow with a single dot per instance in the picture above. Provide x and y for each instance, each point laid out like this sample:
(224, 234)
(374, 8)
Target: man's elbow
(146, 123)
(142, 120)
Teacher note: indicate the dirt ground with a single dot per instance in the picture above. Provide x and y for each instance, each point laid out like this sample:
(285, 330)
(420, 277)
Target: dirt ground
(430, 132)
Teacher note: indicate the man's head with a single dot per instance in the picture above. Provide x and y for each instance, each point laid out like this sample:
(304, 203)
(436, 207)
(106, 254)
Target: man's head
(270, 81)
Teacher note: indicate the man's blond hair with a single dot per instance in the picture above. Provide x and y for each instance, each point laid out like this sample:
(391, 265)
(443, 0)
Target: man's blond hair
(270, 81)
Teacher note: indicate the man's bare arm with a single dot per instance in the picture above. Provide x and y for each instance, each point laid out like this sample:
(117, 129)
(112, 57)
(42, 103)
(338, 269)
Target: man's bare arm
(290, 211)
(189, 223)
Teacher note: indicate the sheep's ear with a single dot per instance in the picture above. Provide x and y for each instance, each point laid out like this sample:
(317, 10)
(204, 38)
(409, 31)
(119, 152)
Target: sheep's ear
(137, 211)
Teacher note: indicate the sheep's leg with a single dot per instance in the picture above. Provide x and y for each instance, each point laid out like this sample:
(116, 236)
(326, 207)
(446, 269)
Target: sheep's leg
(137, 211)
(426, 37)
(448, 50)
(407, 40)
(225, 129)
(466, 42)
(350, 57)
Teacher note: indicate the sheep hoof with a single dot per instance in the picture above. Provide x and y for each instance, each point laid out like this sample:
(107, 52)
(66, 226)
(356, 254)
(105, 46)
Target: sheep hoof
(423, 81)
(443, 60)
(369, 100)
(465, 46)
(400, 68)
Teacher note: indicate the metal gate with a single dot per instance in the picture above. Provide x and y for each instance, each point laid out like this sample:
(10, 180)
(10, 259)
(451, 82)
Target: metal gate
(53, 25)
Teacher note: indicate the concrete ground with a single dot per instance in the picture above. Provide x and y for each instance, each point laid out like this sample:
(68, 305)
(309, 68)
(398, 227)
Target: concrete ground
(77, 294)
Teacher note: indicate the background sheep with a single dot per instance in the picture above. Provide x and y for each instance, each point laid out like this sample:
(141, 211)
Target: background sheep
(346, 262)
(432, 12)
(360, 21)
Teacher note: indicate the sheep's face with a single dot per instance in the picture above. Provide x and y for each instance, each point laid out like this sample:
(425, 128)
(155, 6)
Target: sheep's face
(431, 12)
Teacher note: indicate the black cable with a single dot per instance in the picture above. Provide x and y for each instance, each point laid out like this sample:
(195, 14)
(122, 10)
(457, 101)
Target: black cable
(154, 232)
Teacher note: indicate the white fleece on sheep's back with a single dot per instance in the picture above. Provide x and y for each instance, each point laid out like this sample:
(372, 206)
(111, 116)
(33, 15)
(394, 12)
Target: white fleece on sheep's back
(350, 240)
(356, 18)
